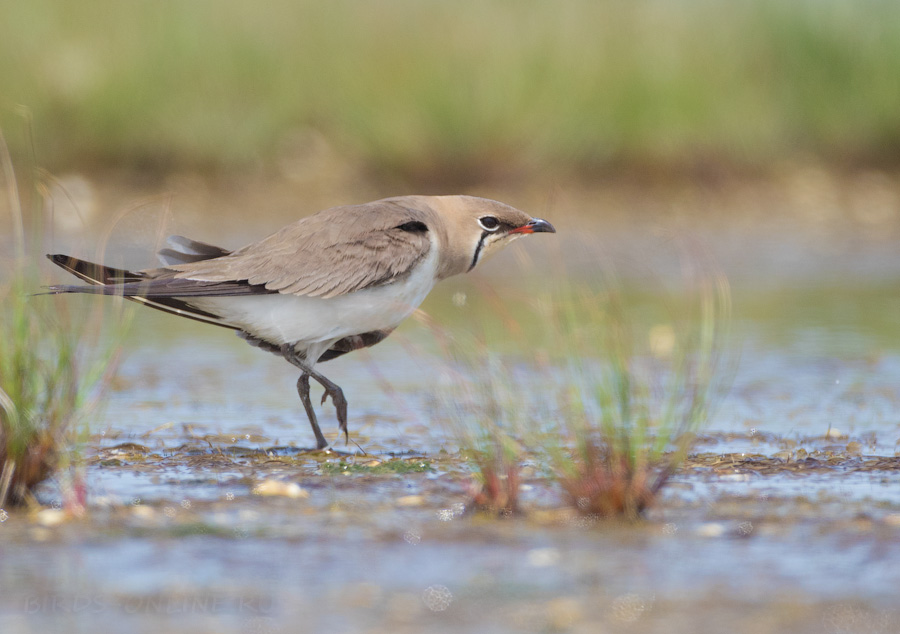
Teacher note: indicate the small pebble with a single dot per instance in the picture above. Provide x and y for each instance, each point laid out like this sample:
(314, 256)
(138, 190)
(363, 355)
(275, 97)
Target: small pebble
(50, 517)
(143, 512)
(104, 501)
(710, 529)
(284, 489)
(411, 500)
(543, 557)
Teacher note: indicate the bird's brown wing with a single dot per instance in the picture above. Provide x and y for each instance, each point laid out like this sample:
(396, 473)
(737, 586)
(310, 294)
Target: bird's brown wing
(331, 253)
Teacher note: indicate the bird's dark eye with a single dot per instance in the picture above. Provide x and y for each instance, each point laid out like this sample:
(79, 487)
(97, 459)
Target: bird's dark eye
(489, 223)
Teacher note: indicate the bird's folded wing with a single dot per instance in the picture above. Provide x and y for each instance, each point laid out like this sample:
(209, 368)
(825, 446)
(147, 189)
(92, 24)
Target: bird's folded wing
(334, 252)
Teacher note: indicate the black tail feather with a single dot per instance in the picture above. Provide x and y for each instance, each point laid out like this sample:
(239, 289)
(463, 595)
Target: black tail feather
(106, 280)
(92, 273)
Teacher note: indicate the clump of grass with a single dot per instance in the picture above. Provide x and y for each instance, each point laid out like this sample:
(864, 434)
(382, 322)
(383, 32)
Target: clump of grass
(52, 362)
(632, 405)
(498, 458)
(489, 431)
(481, 412)
(607, 389)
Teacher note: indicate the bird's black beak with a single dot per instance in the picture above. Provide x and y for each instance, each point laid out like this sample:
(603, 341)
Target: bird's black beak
(536, 225)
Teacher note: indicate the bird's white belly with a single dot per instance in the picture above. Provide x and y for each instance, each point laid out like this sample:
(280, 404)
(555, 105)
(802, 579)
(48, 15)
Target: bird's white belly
(281, 318)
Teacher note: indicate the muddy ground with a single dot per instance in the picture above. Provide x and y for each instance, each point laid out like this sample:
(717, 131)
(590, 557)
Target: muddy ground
(206, 513)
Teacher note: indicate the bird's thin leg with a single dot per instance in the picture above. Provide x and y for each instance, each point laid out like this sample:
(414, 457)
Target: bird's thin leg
(303, 390)
(331, 389)
(337, 397)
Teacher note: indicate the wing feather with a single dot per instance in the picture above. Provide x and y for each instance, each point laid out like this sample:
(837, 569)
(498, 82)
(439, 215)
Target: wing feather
(334, 252)
(181, 250)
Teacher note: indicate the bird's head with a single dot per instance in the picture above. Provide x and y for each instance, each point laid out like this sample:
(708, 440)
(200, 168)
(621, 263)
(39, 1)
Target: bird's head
(472, 229)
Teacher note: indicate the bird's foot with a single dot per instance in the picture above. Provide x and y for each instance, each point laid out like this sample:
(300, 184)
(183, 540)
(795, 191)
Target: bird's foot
(340, 404)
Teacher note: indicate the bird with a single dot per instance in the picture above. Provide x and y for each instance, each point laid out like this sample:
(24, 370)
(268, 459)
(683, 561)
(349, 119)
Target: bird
(339, 280)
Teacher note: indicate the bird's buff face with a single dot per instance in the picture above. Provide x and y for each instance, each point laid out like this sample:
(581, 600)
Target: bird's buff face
(499, 226)
(476, 228)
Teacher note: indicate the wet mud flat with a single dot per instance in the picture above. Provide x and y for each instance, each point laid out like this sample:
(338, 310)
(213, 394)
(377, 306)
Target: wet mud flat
(204, 513)
(227, 535)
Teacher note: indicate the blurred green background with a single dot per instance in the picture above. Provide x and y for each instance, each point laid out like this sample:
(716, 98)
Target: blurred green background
(453, 92)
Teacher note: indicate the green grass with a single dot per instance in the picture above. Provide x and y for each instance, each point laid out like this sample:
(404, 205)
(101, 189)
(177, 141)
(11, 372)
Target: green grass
(54, 355)
(637, 393)
(605, 395)
(483, 408)
(454, 90)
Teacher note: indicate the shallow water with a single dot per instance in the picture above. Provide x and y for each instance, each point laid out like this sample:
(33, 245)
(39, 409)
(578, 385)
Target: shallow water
(787, 517)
